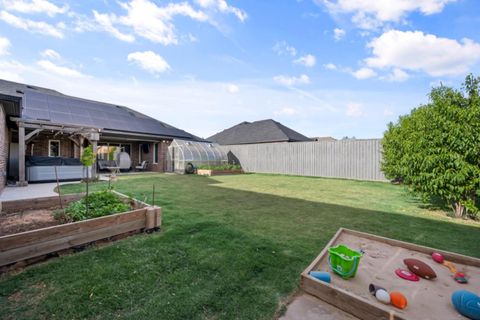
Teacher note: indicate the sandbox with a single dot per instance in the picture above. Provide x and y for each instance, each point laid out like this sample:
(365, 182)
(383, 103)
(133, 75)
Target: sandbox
(427, 299)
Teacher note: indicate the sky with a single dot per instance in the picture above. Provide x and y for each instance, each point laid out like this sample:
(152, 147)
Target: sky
(322, 67)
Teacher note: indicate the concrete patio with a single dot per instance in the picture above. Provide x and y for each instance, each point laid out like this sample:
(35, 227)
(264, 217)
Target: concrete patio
(31, 191)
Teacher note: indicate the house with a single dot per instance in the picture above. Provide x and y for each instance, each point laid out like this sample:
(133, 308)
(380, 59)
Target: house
(263, 131)
(325, 139)
(41, 122)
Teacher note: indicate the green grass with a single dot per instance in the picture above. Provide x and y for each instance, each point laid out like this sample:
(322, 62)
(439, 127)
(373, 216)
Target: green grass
(231, 247)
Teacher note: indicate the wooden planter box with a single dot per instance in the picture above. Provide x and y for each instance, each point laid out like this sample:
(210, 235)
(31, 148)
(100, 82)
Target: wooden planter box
(208, 172)
(427, 299)
(40, 242)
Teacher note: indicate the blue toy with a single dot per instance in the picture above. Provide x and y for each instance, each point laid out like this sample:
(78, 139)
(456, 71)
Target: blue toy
(467, 303)
(321, 275)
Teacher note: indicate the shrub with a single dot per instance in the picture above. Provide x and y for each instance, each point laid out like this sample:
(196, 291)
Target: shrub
(435, 149)
(100, 204)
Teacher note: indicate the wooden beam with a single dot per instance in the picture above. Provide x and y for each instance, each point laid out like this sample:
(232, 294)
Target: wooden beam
(21, 155)
(30, 136)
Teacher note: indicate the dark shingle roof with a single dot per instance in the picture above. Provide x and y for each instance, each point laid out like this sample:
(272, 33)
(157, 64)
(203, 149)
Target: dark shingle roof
(50, 105)
(257, 132)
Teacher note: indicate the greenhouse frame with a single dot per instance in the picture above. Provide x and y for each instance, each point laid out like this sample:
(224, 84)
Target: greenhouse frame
(184, 152)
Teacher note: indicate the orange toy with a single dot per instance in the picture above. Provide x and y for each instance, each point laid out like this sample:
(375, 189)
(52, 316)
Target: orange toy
(398, 300)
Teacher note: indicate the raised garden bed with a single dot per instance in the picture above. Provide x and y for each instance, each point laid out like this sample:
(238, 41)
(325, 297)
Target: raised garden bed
(427, 299)
(29, 246)
(216, 172)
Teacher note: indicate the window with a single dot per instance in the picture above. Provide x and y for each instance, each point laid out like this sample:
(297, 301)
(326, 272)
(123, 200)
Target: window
(53, 148)
(155, 153)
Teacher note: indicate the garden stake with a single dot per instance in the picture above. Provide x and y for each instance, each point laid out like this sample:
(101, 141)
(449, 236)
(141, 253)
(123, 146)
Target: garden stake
(58, 188)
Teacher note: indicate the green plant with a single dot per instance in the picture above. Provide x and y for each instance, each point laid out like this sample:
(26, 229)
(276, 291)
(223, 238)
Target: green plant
(220, 167)
(88, 159)
(436, 148)
(99, 204)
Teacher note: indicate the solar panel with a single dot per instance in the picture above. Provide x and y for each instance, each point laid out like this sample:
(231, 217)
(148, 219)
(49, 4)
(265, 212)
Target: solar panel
(75, 111)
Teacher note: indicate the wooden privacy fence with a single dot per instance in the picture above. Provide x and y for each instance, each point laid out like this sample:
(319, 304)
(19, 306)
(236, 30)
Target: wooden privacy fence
(40, 242)
(349, 159)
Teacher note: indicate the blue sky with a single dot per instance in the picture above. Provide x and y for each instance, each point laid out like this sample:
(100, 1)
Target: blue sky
(323, 67)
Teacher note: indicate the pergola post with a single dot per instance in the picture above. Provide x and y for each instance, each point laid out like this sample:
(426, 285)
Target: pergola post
(21, 155)
(94, 137)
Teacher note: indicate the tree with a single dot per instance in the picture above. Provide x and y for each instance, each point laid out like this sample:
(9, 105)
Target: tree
(88, 159)
(436, 148)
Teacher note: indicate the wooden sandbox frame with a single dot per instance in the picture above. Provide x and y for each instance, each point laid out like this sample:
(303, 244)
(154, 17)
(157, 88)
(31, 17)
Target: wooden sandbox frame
(25, 247)
(354, 304)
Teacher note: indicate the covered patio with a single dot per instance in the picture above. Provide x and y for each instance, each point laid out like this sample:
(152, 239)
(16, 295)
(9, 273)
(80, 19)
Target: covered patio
(45, 128)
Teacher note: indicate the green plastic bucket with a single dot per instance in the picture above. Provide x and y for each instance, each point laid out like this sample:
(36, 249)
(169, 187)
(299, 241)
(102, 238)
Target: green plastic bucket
(344, 261)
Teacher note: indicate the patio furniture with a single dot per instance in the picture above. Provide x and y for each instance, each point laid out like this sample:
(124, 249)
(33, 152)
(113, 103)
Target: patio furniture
(142, 166)
(124, 161)
(104, 164)
(113, 171)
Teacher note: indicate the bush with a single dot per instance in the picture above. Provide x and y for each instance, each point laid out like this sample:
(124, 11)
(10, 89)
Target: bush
(100, 204)
(221, 167)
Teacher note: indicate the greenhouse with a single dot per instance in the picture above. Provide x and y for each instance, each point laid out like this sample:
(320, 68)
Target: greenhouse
(183, 154)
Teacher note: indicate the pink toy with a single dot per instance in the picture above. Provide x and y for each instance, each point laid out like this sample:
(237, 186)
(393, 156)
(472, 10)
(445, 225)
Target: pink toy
(407, 275)
(437, 257)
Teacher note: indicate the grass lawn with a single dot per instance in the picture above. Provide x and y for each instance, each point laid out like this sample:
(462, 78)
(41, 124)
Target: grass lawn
(231, 247)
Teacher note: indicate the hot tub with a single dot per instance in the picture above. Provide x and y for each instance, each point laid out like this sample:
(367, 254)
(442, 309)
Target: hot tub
(42, 169)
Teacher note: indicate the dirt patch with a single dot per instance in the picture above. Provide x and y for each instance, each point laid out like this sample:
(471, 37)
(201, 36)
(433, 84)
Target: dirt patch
(25, 221)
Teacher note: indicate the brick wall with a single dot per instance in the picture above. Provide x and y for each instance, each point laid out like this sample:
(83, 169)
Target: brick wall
(162, 156)
(3, 149)
(40, 145)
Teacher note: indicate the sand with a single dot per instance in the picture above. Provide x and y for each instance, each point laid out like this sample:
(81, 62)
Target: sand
(427, 299)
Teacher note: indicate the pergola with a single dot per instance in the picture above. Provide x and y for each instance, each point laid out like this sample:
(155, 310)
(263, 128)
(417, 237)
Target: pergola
(75, 133)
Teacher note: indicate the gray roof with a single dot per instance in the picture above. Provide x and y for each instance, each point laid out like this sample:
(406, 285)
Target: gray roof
(257, 132)
(50, 105)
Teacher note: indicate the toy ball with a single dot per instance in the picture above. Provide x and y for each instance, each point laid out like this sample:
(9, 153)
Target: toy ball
(437, 257)
(420, 268)
(407, 275)
(398, 300)
(467, 304)
(321, 275)
(382, 296)
(373, 288)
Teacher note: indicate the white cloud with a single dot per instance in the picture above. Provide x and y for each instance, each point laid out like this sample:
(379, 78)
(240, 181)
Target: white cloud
(416, 51)
(51, 54)
(33, 26)
(338, 33)
(283, 48)
(364, 73)
(292, 81)
(330, 66)
(149, 20)
(286, 111)
(4, 46)
(34, 6)
(398, 75)
(149, 61)
(11, 70)
(59, 70)
(354, 110)
(105, 21)
(224, 7)
(232, 88)
(371, 14)
(307, 60)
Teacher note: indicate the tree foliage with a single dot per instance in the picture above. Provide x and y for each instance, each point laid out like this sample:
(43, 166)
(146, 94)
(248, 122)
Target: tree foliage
(436, 148)
(88, 158)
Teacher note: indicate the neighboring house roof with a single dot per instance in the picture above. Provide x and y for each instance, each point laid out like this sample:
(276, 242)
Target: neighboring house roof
(257, 132)
(53, 106)
(324, 139)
